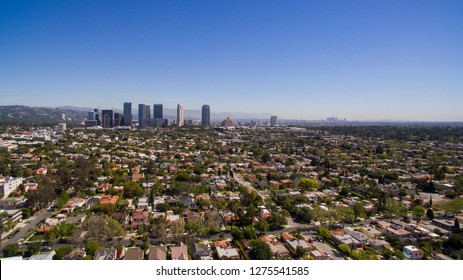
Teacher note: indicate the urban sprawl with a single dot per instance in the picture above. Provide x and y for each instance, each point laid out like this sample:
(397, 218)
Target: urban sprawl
(112, 188)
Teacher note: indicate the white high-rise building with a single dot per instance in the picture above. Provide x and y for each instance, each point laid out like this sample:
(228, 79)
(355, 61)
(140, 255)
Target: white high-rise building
(180, 115)
(62, 126)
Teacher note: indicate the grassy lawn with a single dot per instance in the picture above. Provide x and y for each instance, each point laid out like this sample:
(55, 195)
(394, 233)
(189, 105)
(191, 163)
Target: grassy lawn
(37, 238)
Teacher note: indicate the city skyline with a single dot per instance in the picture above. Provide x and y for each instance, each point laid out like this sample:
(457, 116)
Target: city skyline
(359, 60)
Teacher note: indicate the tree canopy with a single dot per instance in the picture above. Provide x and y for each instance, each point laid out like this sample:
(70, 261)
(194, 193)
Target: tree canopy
(260, 250)
(308, 184)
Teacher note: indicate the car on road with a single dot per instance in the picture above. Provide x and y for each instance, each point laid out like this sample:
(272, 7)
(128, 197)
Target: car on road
(45, 248)
(13, 234)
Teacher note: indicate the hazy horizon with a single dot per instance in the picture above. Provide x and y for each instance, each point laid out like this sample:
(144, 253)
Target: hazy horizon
(308, 60)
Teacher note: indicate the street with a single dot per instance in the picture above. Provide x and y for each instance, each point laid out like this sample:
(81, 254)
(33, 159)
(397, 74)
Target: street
(39, 216)
(327, 250)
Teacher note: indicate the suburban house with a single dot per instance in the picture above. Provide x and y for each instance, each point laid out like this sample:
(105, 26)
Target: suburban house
(136, 254)
(293, 242)
(179, 252)
(139, 217)
(225, 251)
(202, 251)
(279, 251)
(412, 253)
(105, 254)
(349, 240)
(108, 199)
(157, 253)
(318, 255)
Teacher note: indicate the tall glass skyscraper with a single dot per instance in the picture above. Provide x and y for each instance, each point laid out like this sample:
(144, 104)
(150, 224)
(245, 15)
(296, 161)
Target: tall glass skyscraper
(141, 116)
(107, 117)
(157, 111)
(127, 114)
(205, 115)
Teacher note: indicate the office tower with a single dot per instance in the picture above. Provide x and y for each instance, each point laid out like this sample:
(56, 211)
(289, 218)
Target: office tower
(273, 120)
(97, 116)
(157, 111)
(90, 116)
(147, 112)
(179, 115)
(141, 116)
(127, 114)
(205, 115)
(117, 119)
(107, 117)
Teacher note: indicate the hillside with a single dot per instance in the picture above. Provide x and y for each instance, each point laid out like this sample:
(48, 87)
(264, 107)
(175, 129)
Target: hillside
(38, 115)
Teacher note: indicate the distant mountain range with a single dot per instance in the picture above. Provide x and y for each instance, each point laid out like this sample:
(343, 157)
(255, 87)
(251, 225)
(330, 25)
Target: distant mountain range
(53, 115)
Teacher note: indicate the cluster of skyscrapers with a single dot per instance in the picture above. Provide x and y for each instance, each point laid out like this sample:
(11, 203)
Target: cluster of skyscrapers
(109, 119)
(144, 116)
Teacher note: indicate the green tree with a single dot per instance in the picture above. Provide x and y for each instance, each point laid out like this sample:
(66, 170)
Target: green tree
(102, 227)
(304, 214)
(107, 209)
(91, 247)
(323, 232)
(61, 252)
(308, 184)
(162, 207)
(237, 234)
(203, 203)
(345, 249)
(262, 225)
(177, 230)
(159, 228)
(363, 255)
(196, 227)
(26, 212)
(266, 157)
(65, 230)
(62, 199)
(10, 250)
(394, 208)
(249, 233)
(213, 220)
(430, 214)
(132, 190)
(300, 252)
(456, 225)
(344, 214)
(260, 250)
(277, 221)
(359, 210)
(32, 248)
(112, 229)
(418, 212)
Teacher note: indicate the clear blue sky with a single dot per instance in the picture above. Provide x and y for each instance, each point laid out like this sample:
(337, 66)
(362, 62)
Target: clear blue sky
(365, 60)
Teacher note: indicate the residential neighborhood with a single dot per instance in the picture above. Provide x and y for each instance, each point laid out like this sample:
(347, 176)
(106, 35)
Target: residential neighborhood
(231, 193)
